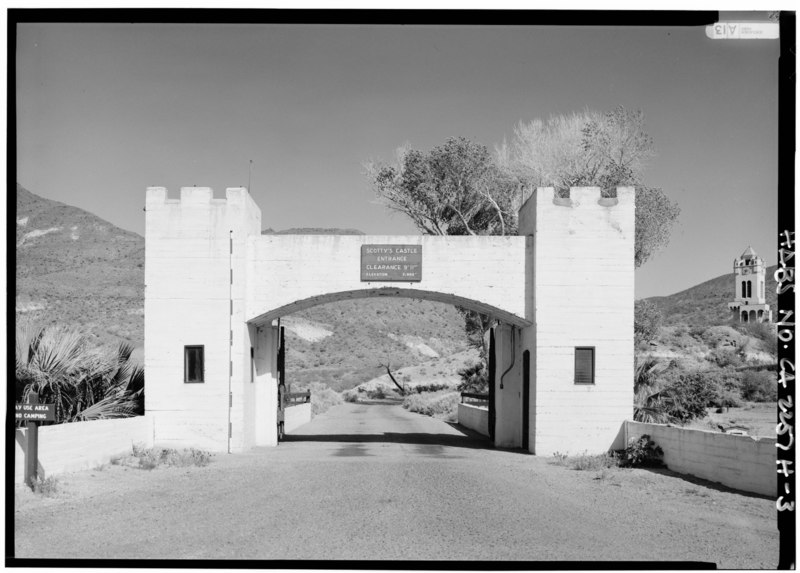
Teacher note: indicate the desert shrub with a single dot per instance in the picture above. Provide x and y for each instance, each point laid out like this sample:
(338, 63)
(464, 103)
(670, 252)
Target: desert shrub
(585, 461)
(350, 395)
(642, 452)
(433, 387)
(697, 331)
(722, 337)
(323, 398)
(378, 393)
(688, 397)
(47, 487)
(725, 356)
(727, 398)
(151, 458)
(759, 386)
(442, 404)
(474, 378)
(766, 332)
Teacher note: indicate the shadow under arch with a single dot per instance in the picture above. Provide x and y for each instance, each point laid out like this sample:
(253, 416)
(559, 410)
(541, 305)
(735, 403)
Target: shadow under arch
(387, 291)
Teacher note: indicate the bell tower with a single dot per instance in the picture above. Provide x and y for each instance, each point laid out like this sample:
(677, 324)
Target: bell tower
(749, 304)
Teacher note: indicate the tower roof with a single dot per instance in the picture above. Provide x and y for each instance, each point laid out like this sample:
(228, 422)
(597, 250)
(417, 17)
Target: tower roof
(749, 253)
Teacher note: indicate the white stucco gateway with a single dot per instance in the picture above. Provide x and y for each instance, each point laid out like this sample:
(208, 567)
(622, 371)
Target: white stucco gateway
(561, 291)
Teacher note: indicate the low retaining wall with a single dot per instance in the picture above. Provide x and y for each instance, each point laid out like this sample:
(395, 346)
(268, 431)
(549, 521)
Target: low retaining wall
(740, 462)
(474, 417)
(296, 416)
(81, 445)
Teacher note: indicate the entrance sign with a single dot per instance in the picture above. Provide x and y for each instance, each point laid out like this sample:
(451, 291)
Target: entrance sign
(35, 412)
(401, 263)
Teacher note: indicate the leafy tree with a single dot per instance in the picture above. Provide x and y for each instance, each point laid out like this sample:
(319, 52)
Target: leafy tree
(455, 189)
(593, 149)
(647, 320)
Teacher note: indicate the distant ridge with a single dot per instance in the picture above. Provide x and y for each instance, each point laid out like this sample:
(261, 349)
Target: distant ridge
(706, 304)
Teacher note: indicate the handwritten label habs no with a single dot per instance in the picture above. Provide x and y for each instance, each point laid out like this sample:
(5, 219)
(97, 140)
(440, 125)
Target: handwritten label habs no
(398, 263)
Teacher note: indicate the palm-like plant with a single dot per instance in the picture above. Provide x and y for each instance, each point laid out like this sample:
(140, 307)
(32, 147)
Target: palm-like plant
(651, 403)
(59, 366)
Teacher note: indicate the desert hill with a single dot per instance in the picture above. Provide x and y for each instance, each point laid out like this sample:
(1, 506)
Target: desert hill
(73, 267)
(706, 304)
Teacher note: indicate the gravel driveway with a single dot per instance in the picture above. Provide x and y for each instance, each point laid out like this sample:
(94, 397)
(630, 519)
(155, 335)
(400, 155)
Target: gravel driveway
(377, 482)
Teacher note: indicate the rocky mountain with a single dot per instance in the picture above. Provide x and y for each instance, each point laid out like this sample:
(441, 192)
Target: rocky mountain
(75, 268)
(706, 304)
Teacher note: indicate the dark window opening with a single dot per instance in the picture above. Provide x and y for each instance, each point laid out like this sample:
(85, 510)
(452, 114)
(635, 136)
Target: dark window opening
(584, 365)
(193, 363)
(252, 364)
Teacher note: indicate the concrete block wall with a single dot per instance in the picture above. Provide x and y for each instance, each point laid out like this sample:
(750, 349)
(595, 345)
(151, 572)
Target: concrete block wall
(296, 416)
(582, 295)
(188, 294)
(65, 448)
(474, 417)
(740, 462)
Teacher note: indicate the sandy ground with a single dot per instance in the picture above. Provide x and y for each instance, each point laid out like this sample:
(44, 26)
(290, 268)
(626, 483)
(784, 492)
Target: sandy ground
(377, 482)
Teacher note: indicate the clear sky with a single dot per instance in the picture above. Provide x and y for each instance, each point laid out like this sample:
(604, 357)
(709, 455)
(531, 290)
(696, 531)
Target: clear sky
(105, 110)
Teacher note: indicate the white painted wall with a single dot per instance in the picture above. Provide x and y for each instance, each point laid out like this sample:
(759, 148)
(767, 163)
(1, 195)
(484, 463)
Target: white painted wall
(188, 293)
(740, 462)
(291, 272)
(212, 279)
(296, 416)
(583, 264)
(474, 417)
(78, 446)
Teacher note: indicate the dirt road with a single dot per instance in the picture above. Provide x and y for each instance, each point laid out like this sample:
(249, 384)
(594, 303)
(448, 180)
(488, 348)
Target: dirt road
(377, 482)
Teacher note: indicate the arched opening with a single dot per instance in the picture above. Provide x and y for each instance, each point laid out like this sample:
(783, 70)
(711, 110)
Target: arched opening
(749, 289)
(449, 298)
(375, 380)
(752, 316)
(744, 316)
(760, 315)
(744, 289)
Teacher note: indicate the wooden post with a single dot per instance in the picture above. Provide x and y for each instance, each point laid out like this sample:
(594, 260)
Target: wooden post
(32, 455)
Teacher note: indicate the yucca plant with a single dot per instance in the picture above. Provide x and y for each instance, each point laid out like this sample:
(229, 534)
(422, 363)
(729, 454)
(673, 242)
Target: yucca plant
(59, 366)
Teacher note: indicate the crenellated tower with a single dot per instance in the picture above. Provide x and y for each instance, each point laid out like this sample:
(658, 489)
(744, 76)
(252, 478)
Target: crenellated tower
(750, 303)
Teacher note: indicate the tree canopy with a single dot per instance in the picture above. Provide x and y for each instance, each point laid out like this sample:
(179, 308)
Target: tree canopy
(461, 188)
(454, 189)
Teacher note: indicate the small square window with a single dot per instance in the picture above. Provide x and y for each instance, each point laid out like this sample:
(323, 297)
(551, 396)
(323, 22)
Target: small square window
(193, 363)
(584, 365)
